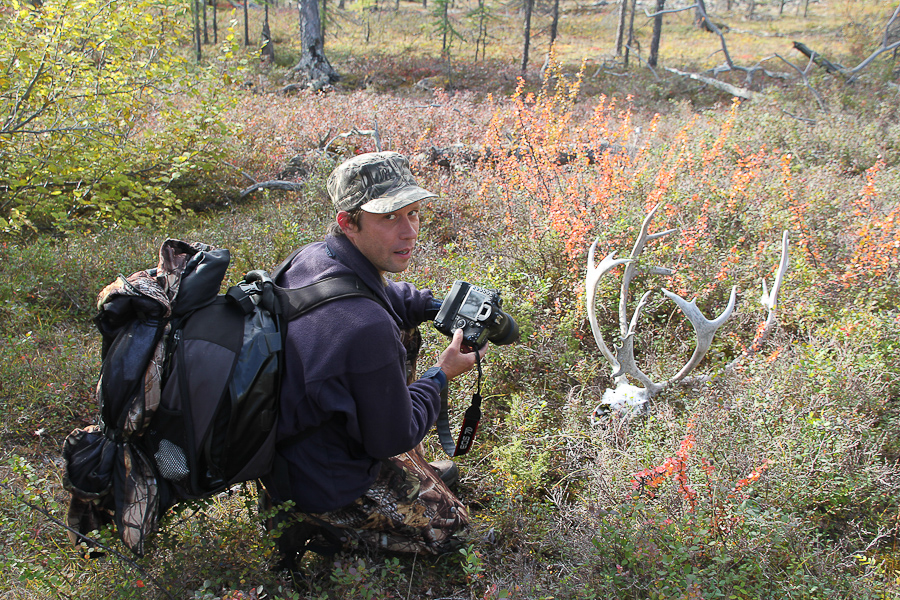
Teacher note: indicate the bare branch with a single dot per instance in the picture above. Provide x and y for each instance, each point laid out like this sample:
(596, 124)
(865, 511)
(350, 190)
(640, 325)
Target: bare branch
(806, 120)
(721, 85)
(288, 186)
(803, 75)
(60, 130)
(373, 133)
(12, 123)
(886, 40)
(669, 11)
(638, 55)
(852, 72)
(242, 172)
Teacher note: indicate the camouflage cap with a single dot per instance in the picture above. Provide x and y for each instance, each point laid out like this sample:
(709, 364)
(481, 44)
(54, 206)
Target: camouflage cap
(377, 182)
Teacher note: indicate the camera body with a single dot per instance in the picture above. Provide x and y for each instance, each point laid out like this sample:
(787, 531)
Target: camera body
(478, 312)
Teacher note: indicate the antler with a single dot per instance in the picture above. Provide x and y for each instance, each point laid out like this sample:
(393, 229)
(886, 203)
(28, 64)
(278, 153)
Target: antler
(623, 362)
(594, 273)
(770, 300)
(704, 328)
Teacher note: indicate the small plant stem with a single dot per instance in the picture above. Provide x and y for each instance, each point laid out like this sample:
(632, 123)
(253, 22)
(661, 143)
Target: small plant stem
(90, 540)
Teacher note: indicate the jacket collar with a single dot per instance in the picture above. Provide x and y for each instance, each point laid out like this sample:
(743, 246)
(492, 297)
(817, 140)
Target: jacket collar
(342, 250)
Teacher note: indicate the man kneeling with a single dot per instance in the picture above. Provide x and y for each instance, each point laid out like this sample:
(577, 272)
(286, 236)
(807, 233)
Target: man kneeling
(352, 412)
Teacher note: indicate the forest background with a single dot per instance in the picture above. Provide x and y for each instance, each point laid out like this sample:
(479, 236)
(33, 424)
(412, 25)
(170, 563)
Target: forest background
(777, 477)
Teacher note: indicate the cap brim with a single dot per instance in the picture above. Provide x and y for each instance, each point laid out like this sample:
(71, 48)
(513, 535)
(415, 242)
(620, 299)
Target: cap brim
(396, 199)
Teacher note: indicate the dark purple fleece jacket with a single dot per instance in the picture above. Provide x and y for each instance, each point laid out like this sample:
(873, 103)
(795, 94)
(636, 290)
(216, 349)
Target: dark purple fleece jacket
(345, 377)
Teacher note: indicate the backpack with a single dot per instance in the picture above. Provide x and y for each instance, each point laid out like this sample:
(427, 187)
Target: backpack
(188, 390)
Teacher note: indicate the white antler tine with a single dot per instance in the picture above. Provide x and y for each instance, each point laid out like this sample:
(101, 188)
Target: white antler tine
(626, 349)
(770, 300)
(632, 327)
(703, 327)
(590, 264)
(643, 237)
(594, 274)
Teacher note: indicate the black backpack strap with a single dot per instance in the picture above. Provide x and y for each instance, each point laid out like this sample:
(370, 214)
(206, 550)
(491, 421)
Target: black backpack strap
(283, 266)
(296, 301)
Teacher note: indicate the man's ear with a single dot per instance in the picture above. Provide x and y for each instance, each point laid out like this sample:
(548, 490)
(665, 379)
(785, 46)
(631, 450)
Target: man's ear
(345, 222)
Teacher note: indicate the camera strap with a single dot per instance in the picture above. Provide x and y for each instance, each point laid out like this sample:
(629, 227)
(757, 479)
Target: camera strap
(469, 424)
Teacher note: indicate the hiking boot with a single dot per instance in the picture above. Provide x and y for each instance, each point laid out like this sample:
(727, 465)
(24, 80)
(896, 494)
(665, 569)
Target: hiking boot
(447, 470)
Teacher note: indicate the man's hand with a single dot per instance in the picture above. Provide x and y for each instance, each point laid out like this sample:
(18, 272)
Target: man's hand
(457, 359)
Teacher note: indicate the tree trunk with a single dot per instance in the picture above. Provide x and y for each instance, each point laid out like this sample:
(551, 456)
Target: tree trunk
(216, 23)
(313, 64)
(481, 31)
(554, 23)
(630, 31)
(246, 28)
(529, 5)
(699, 14)
(267, 54)
(205, 28)
(620, 29)
(324, 17)
(195, 5)
(657, 33)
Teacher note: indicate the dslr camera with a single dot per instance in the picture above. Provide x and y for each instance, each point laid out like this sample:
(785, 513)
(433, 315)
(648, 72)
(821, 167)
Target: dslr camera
(477, 311)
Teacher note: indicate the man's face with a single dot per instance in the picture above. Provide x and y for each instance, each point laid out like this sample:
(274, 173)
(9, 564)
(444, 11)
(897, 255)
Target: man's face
(386, 240)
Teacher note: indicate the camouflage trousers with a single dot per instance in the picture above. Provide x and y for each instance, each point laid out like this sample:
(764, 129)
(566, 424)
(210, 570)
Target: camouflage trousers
(407, 509)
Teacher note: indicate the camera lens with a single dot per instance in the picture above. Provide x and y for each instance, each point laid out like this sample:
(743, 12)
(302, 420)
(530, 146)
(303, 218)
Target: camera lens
(504, 330)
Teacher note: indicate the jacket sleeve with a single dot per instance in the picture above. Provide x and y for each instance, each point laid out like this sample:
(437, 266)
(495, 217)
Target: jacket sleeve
(391, 417)
(409, 302)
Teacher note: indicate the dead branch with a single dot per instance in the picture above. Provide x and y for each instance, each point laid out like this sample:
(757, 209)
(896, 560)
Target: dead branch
(373, 133)
(275, 184)
(888, 43)
(638, 56)
(806, 120)
(242, 172)
(729, 65)
(818, 58)
(804, 76)
(725, 87)
(852, 72)
(667, 11)
(291, 87)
